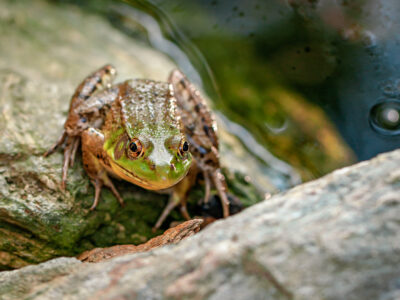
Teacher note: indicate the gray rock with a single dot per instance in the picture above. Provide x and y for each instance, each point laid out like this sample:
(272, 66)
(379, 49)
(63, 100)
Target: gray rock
(333, 238)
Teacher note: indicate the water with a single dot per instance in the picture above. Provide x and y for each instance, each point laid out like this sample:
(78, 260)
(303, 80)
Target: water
(307, 88)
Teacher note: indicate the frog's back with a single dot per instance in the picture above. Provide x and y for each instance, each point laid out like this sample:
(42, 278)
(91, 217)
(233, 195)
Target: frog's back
(148, 103)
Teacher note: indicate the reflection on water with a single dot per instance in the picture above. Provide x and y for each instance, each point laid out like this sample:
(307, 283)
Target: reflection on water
(262, 153)
(385, 117)
(247, 88)
(314, 82)
(157, 38)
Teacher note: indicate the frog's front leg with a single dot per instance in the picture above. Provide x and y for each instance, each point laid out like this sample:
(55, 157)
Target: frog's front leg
(178, 196)
(77, 122)
(94, 160)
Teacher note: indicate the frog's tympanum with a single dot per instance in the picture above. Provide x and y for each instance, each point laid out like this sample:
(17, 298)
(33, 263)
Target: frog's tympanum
(157, 135)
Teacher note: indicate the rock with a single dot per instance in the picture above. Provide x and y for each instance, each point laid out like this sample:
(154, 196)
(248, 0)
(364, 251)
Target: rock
(170, 236)
(46, 50)
(13, 285)
(333, 238)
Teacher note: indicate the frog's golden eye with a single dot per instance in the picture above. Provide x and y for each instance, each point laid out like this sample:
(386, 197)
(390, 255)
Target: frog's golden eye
(135, 148)
(183, 147)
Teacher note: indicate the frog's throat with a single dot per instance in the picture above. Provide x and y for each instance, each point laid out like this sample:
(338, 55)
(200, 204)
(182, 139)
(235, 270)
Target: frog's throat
(131, 177)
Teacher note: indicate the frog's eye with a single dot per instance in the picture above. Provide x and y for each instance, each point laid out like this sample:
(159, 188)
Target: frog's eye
(183, 147)
(135, 148)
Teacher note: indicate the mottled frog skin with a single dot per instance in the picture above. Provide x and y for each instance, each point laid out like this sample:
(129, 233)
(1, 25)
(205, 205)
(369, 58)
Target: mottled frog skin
(157, 135)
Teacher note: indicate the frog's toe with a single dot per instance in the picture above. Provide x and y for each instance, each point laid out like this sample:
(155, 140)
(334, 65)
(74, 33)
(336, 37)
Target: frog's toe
(207, 186)
(69, 153)
(119, 198)
(75, 146)
(172, 203)
(185, 212)
(57, 144)
(121, 202)
(98, 184)
(63, 185)
(93, 207)
(108, 183)
(220, 183)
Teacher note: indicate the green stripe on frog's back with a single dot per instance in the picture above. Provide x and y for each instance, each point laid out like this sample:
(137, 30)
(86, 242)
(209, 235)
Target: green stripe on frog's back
(148, 105)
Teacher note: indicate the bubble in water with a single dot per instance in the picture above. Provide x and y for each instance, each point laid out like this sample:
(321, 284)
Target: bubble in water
(385, 117)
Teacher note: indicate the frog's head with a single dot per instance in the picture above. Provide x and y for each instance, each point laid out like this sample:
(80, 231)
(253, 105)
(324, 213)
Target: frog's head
(154, 158)
(146, 144)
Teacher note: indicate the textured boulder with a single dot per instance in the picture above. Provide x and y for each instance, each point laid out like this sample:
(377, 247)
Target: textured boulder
(333, 238)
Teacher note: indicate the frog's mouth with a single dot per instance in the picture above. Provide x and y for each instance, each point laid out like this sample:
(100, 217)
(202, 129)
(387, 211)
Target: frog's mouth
(133, 178)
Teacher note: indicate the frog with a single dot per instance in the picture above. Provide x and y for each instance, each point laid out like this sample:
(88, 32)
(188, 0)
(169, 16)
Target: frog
(158, 135)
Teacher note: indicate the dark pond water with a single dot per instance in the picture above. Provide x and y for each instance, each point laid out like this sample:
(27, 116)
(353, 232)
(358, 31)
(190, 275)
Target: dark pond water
(316, 83)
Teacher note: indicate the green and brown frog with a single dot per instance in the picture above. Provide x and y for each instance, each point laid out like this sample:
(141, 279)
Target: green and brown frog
(157, 135)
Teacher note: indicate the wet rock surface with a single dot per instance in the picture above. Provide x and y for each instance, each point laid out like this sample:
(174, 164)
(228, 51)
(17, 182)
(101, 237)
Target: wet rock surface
(333, 238)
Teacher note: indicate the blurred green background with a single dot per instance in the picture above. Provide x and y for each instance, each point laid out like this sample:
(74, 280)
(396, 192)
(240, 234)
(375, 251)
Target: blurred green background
(307, 79)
